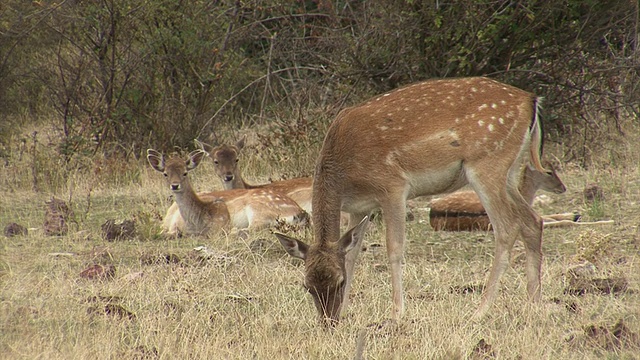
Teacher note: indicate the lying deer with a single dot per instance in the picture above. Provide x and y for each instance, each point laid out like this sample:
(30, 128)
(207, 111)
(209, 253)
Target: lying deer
(197, 214)
(463, 211)
(423, 139)
(225, 161)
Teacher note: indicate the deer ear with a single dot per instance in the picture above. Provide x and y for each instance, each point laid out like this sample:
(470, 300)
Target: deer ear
(204, 146)
(294, 247)
(354, 236)
(195, 157)
(240, 143)
(156, 160)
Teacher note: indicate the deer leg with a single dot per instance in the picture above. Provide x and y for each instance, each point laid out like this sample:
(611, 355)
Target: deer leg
(350, 259)
(499, 209)
(512, 217)
(503, 243)
(531, 233)
(394, 215)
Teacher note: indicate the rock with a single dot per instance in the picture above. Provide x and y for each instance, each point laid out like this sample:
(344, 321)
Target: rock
(125, 230)
(56, 217)
(15, 229)
(99, 272)
(593, 192)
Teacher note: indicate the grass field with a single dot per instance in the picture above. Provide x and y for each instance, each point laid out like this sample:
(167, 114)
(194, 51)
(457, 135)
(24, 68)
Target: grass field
(245, 300)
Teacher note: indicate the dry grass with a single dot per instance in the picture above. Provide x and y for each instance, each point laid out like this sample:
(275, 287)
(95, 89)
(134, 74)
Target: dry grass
(247, 301)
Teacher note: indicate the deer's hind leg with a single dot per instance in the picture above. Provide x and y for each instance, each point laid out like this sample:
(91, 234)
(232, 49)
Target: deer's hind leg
(511, 218)
(531, 235)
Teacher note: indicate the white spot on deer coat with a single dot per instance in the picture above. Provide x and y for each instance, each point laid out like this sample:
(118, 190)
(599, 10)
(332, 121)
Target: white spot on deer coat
(454, 134)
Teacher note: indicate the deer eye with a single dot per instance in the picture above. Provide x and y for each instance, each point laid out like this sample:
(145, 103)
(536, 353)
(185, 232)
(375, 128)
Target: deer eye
(215, 162)
(185, 174)
(165, 174)
(237, 160)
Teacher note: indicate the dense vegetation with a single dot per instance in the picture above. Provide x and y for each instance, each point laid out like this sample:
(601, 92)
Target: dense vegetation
(114, 76)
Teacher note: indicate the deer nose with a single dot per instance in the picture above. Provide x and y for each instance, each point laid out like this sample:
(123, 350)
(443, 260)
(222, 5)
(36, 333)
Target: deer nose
(561, 190)
(175, 187)
(228, 177)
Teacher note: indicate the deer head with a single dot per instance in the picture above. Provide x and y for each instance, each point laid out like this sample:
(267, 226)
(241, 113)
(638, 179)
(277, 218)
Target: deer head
(175, 170)
(326, 275)
(225, 162)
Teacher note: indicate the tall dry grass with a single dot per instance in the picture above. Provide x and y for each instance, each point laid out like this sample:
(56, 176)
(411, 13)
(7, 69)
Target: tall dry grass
(246, 300)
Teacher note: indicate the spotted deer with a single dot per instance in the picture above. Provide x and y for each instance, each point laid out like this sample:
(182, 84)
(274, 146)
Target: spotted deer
(427, 138)
(197, 214)
(462, 210)
(225, 161)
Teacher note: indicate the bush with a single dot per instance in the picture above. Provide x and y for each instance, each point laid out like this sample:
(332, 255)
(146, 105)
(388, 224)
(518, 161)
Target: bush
(115, 76)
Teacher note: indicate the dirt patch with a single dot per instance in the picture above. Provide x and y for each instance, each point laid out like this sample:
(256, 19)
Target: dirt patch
(467, 289)
(110, 309)
(160, 259)
(610, 338)
(15, 229)
(112, 230)
(482, 351)
(56, 217)
(99, 272)
(603, 286)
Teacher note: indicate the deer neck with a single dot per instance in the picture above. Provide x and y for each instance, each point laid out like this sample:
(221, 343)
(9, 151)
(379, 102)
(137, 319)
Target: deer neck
(192, 209)
(528, 186)
(326, 204)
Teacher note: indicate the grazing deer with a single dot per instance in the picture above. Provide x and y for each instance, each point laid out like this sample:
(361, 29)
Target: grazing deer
(199, 213)
(462, 210)
(423, 139)
(225, 161)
